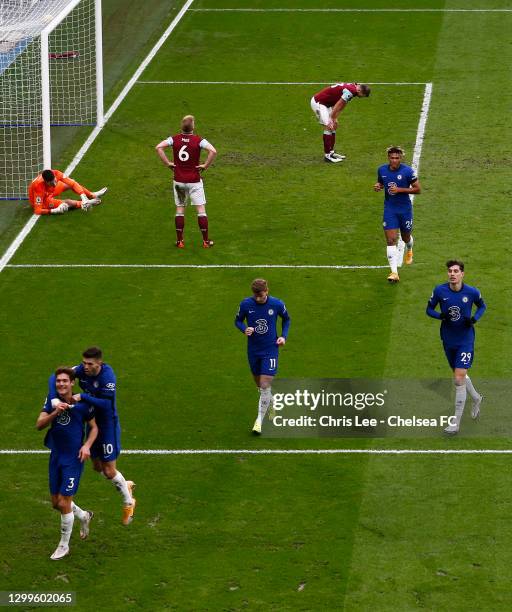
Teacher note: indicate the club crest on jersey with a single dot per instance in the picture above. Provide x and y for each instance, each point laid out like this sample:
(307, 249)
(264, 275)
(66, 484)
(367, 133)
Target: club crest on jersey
(261, 326)
(465, 299)
(270, 312)
(64, 418)
(399, 176)
(454, 312)
(95, 384)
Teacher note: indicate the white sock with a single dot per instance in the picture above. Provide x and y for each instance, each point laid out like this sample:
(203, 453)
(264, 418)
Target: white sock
(460, 400)
(471, 390)
(120, 484)
(392, 253)
(410, 243)
(264, 403)
(78, 513)
(66, 527)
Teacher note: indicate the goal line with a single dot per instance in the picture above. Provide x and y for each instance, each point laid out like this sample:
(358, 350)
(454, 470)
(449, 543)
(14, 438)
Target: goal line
(290, 451)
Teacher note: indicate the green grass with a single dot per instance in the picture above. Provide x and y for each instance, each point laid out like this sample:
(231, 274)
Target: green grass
(272, 532)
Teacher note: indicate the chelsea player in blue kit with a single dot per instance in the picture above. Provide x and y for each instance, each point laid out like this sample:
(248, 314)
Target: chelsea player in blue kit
(458, 334)
(68, 453)
(399, 183)
(98, 382)
(261, 312)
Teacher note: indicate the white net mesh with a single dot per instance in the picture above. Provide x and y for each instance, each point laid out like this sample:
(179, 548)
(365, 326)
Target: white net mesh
(72, 70)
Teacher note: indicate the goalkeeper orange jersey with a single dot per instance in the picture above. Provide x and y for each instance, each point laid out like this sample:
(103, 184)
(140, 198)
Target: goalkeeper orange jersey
(42, 196)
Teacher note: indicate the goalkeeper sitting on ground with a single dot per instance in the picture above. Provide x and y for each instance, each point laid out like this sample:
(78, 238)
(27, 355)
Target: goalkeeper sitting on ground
(51, 183)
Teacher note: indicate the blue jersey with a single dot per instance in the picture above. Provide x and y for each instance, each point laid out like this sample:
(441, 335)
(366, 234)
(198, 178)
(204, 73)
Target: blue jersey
(403, 176)
(99, 390)
(263, 317)
(66, 433)
(457, 307)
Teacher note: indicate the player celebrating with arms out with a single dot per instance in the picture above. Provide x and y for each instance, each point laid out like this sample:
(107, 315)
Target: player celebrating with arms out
(261, 312)
(327, 104)
(68, 453)
(187, 182)
(98, 383)
(46, 186)
(399, 183)
(458, 334)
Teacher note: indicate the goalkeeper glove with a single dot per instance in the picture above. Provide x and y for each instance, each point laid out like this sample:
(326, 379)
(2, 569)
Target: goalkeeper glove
(61, 208)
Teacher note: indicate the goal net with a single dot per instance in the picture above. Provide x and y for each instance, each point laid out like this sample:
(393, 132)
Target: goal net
(50, 75)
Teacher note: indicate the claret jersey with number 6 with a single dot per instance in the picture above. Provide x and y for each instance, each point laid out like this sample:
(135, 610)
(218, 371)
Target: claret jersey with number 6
(187, 155)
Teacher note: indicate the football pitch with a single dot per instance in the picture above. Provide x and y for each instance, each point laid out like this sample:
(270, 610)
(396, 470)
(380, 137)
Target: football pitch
(347, 524)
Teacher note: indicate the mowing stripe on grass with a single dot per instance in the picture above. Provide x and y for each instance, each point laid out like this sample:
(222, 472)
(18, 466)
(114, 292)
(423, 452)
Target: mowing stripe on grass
(17, 242)
(289, 451)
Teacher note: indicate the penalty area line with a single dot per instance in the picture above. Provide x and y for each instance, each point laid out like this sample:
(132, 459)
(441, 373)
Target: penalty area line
(266, 83)
(290, 451)
(198, 266)
(348, 10)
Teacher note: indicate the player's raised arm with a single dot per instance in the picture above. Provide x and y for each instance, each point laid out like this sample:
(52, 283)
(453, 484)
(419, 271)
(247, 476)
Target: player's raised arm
(160, 149)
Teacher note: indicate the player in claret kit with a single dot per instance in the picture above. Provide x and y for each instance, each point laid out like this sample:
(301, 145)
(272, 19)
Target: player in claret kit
(187, 182)
(68, 453)
(98, 383)
(257, 319)
(456, 301)
(44, 189)
(327, 104)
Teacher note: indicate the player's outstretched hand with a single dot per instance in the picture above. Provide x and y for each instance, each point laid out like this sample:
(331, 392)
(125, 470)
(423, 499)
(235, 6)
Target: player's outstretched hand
(280, 341)
(58, 405)
(249, 331)
(77, 397)
(377, 187)
(84, 453)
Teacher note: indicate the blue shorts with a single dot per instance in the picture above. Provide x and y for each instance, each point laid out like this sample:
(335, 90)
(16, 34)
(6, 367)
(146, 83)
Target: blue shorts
(107, 445)
(64, 474)
(460, 356)
(265, 363)
(397, 218)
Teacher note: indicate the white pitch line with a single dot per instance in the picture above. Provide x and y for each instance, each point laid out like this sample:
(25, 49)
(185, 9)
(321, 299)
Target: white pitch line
(200, 266)
(347, 10)
(289, 451)
(422, 124)
(17, 242)
(265, 83)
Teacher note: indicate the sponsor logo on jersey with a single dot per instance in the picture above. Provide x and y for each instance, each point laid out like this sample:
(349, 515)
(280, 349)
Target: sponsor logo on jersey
(454, 312)
(261, 326)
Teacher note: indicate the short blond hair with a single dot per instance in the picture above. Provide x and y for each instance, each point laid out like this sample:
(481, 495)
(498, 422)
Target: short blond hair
(187, 123)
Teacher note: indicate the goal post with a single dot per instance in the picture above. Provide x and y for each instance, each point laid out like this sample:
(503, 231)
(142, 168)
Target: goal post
(51, 74)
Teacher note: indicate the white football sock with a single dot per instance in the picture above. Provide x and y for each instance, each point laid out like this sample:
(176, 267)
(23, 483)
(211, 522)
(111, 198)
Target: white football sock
(392, 253)
(409, 244)
(120, 484)
(460, 400)
(471, 389)
(66, 527)
(78, 513)
(264, 403)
